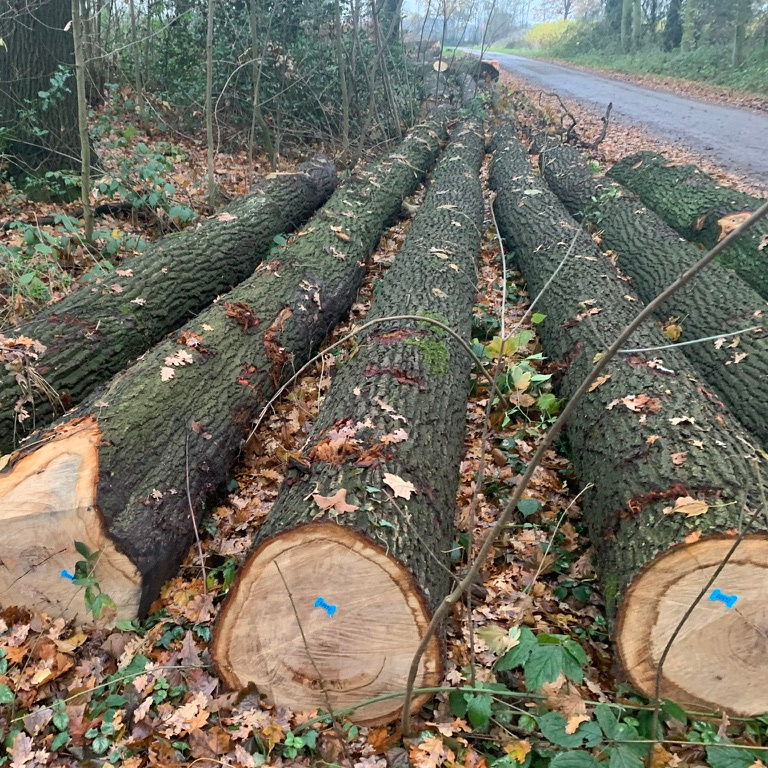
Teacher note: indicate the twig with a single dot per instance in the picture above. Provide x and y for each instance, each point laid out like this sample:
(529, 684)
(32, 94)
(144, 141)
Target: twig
(692, 341)
(192, 513)
(549, 438)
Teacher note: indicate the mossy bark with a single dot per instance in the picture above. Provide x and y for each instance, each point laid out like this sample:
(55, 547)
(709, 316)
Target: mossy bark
(160, 434)
(648, 433)
(718, 301)
(398, 406)
(98, 330)
(416, 369)
(693, 203)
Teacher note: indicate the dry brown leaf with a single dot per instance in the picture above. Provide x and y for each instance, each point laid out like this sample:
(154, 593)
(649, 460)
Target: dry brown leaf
(518, 750)
(337, 502)
(679, 458)
(731, 222)
(400, 488)
(651, 439)
(598, 381)
(688, 506)
(166, 373)
(226, 216)
(574, 722)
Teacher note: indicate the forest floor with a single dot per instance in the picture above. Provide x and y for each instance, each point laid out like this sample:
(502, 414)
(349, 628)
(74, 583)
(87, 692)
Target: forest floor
(145, 694)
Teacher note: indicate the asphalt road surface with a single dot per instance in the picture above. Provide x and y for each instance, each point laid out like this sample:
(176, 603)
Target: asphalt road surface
(733, 138)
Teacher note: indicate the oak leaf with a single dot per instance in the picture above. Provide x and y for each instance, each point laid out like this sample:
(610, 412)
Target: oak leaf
(400, 488)
(337, 502)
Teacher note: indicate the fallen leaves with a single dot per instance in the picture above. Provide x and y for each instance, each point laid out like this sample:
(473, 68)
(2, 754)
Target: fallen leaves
(337, 502)
(400, 488)
(688, 506)
(637, 403)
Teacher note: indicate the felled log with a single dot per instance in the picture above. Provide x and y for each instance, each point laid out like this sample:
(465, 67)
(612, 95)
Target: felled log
(352, 559)
(718, 301)
(701, 210)
(480, 69)
(123, 471)
(648, 438)
(98, 330)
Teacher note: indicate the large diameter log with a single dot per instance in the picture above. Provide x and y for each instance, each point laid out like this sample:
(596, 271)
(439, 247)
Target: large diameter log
(346, 567)
(98, 330)
(701, 210)
(646, 436)
(717, 302)
(122, 472)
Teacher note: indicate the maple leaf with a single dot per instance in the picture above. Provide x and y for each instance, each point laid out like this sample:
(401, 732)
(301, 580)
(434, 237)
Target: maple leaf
(518, 750)
(430, 753)
(687, 506)
(338, 502)
(400, 488)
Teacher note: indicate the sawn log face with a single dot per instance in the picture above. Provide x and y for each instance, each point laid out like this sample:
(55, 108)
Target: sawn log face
(179, 414)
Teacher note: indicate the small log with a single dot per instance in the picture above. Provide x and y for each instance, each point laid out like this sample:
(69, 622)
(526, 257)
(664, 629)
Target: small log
(350, 588)
(646, 436)
(701, 210)
(718, 301)
(98, 330)
(124, 471)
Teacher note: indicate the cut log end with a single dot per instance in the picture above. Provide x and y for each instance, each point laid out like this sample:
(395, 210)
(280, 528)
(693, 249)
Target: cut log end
(321, 615)
(47, 503)
(718, 658)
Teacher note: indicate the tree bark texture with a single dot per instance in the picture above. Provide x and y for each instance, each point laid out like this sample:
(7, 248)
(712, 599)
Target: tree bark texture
(695, 205)
(397, 406)
(646, 435)
(100, 329)
(160, 438)
(43, 132)
(718, 301)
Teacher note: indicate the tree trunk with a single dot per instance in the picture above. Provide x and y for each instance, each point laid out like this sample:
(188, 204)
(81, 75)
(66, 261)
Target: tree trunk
(743, 15)
(82, 123)
(718, 301)
(124, 471)
(381, 564)
(700, 209)
(626, 25)
(690, 25)
(98, 330)
(628, 444)
(43, 131)
(637, 24)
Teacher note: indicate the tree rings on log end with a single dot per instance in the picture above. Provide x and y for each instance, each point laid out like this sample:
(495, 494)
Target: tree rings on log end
(47, 503)
(718, 659)
(320, 614)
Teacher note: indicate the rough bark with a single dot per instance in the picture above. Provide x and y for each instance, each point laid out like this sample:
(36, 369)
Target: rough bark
(43, 133)
(397, 406)
(646, 435)
(100, 329)
(124, 470)
(699, 208)
(718, 301)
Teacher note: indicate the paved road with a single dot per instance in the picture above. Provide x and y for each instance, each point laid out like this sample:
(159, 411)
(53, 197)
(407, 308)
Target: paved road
(734, 138)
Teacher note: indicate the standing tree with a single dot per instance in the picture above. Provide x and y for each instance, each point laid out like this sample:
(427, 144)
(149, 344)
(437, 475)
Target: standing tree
(38, 105)
(673, 26)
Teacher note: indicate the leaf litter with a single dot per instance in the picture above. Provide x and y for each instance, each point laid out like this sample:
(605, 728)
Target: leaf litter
(146, 695)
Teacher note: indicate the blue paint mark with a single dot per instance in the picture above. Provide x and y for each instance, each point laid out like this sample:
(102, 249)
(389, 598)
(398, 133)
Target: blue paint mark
(65, 574)
(320, 603)
(729, 600)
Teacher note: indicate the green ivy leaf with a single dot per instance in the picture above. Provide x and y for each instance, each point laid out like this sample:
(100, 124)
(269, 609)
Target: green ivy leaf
(458, 704)
(723, 757)
(59, 740)
(479, 709)
(517, 656)
(575, 759)
(6, 694)
(552, 727)
(625, 756)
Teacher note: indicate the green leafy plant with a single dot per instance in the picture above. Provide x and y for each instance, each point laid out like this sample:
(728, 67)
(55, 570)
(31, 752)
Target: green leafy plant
(96, 601)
